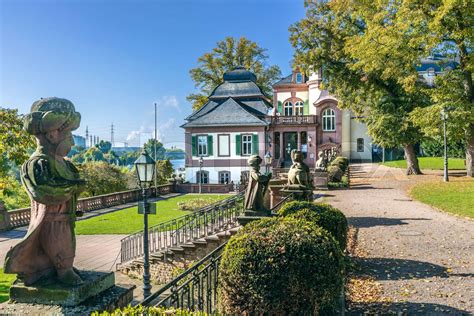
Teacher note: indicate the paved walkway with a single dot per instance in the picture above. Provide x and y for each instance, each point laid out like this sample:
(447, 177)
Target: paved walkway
(423, 258)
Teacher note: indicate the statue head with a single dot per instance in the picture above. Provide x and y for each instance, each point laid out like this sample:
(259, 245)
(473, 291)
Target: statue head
(254, 162)
(297, 156)
(52, 121)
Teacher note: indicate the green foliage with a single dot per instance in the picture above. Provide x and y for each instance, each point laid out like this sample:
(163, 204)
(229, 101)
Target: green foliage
(149, 311)
(93, 154)
(432, 163)
(194, 204)
(280, 266)
(164, 171)
(323, 215)
(15, 143)
(102, 178)
(341, 162)
(228, 54)
(335, 173)
(104, 146)
(435, 148)
(160, 150)
(12, 193)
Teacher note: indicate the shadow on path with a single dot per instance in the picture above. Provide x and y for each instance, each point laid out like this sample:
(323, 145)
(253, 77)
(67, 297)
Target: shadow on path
(399, 269)
(366, 222)
(407, 308)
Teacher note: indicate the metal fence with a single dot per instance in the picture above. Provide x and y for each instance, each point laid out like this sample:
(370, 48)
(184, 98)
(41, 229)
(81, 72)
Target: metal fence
(204, 222)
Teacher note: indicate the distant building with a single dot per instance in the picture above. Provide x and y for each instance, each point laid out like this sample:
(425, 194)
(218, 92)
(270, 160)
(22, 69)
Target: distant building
(79, 141)
(433, 66)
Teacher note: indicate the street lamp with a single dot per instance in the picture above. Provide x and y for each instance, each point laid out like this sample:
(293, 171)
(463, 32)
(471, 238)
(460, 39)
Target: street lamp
(444, 118)
(145, 168)
(268, 161)
(201, 161)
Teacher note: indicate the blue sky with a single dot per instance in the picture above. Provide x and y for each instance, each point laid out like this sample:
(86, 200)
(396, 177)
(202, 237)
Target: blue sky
(114, 59)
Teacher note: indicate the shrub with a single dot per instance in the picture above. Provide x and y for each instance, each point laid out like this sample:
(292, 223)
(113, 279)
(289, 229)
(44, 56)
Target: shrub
(149, 311)
(335, 174)
(323, 215)
(280, 266)
(194, 204)
(341, 162)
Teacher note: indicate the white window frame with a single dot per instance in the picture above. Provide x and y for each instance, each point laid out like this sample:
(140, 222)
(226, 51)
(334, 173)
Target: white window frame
(201, 175)
(223, 176)
(221, 148)
(246, 144)
(202, 147)
(288, 108)
(298, 108)
(329, 120)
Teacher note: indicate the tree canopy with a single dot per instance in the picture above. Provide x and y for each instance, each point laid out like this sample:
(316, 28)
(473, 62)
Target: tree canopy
(228, 54)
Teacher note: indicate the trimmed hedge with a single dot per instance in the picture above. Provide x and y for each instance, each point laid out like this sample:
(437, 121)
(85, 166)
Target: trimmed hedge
(323, 215)
(280, 266)
(341, 162)
(335, 173)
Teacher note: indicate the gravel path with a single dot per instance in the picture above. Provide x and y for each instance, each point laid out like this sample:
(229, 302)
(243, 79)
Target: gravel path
(423, 258)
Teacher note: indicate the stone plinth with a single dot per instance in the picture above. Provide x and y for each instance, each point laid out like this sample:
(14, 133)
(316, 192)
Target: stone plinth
(320, 180)
(51, 292)
(115, 297)
(244, 220)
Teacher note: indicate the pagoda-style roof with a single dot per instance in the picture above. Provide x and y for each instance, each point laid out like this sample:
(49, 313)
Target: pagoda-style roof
(237, 101)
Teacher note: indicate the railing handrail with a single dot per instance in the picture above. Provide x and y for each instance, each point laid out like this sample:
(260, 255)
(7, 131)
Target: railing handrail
(204, 208)
(184, 274)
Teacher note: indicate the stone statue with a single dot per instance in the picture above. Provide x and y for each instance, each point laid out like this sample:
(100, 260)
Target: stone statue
(53, 185)
(256, 188)
(299, 174)
(321, 163)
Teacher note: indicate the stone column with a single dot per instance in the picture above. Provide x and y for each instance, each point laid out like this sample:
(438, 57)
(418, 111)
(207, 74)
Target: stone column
(282, 150)
(298, 140)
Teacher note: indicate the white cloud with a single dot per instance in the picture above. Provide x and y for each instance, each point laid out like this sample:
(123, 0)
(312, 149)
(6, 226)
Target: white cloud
(168, 101)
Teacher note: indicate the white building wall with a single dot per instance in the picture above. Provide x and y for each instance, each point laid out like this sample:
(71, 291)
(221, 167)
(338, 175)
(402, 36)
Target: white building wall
(359, 130)
(191, 173)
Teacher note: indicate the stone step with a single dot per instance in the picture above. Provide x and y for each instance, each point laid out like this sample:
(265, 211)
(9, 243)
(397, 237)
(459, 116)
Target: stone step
(177, 249)
(200, 242)
(189, 246)
(212, 238)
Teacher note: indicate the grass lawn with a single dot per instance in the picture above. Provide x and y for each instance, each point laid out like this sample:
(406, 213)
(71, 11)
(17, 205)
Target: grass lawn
(433, 163)
(456, 196)
(6, 280)
(128, 220)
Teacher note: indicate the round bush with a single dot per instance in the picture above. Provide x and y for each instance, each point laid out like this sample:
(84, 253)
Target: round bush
(335, 174)
(280, 266)
(341, 162)
(323, 215)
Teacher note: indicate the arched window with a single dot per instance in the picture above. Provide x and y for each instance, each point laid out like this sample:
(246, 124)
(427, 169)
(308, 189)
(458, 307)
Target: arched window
(298, 108)
(288, 108)
(329, 120)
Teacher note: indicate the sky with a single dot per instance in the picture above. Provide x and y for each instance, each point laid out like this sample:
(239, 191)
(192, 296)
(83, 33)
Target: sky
(114, 59)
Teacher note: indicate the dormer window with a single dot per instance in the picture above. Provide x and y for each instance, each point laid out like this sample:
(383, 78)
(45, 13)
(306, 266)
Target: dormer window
(299, 77)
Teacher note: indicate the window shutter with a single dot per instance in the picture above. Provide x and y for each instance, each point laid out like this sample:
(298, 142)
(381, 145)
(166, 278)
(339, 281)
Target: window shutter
(254, 144)
(280, 107)
(306, 108)
(194, 146)
(238, 145)
(209, 145)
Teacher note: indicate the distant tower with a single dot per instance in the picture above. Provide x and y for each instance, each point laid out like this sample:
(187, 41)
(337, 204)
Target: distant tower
(90, 142)
(87, 135)
(112, 135)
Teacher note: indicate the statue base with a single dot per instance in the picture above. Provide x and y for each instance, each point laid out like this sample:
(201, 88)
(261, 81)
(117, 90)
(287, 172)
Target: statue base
(118, 296)
(251, 215)
(320, 180)
(298, 194)
(52, 292)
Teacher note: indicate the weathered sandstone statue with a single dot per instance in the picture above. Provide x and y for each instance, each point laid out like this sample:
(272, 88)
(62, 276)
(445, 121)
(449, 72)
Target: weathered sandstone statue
(53, 184)
(257, 185)
(299, 174)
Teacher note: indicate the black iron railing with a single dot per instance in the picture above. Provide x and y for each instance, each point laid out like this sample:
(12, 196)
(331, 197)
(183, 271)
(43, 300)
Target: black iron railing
(201, 223)
(195, 289)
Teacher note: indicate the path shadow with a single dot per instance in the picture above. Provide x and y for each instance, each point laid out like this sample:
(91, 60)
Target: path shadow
(405, 308)
(17, 233)
(366, 187)
(366, 222)
(398, 269)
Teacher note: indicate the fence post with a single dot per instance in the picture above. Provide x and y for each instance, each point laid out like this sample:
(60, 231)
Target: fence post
(4, 218)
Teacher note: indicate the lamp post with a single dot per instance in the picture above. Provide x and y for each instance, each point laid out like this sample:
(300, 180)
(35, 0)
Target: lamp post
(145, 168)
(444, 118)
(268, 161)
(201, 161)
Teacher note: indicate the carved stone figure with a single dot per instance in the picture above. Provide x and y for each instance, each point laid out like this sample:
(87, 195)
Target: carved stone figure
(299, 174)
(321, 163)
(53, 185)
(256, 187)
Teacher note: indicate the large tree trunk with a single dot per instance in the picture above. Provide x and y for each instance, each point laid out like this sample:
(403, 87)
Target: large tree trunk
(412, 161)
(470, 151)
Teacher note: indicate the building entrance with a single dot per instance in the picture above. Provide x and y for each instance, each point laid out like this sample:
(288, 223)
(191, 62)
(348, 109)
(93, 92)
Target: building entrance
(290, 142)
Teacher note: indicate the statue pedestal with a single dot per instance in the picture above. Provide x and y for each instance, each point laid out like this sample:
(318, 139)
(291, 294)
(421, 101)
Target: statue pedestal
(250, 216)
(320, 180)
(51, 292)
(298, 194)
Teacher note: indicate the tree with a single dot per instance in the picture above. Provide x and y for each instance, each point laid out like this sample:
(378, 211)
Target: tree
(93, 154)
(164, 171)
(104, 146)
(15, 143)
(227, 55)
(103, 178)
(150, 148)
(347, 40)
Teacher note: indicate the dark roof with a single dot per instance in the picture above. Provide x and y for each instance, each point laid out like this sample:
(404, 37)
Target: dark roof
(239, 74)
(288, 80)
(236, 89)
(229, 112)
